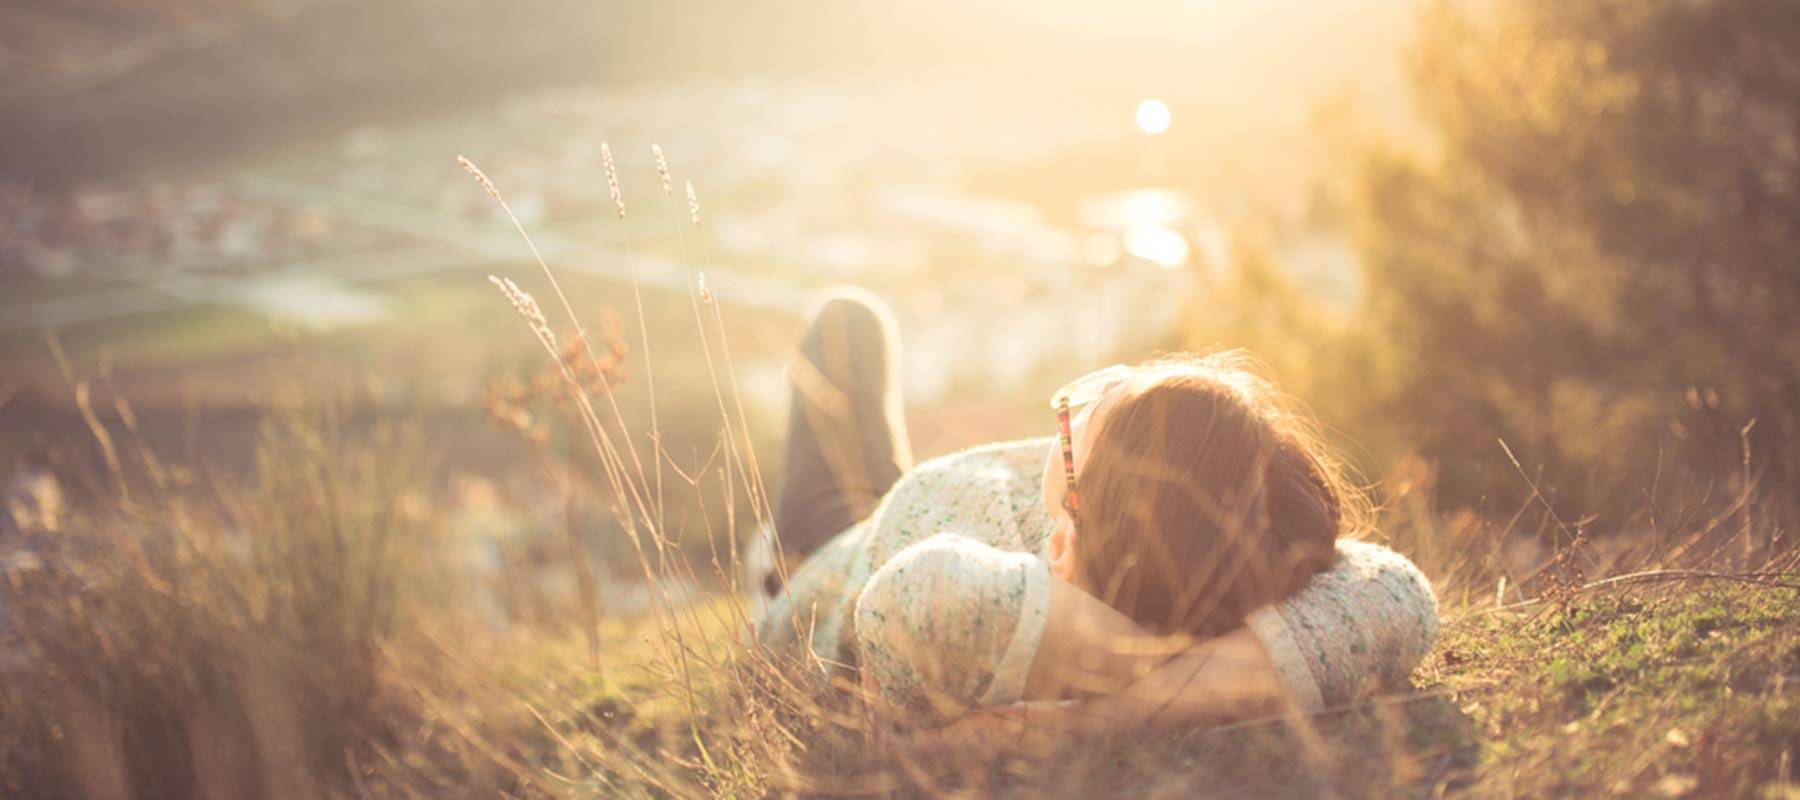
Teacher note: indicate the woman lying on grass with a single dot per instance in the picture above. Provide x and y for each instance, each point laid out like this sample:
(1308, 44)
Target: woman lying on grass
(1178, 554)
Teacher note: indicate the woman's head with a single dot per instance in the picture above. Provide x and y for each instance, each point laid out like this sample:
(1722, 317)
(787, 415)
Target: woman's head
(1203, 495)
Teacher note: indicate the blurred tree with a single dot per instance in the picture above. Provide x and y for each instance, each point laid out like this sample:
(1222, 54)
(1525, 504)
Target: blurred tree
(1599, 258)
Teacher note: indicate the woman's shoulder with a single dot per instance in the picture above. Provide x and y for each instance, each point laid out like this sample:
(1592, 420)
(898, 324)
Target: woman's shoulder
(977, 491)
(1362, 558)
(1368, 575)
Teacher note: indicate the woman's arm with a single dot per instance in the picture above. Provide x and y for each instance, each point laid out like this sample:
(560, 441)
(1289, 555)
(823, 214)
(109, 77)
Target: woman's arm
(1219, 680)
(1089, 649)
(950, 623)
(1130, 676)
(1367, 620)
(1364, 623)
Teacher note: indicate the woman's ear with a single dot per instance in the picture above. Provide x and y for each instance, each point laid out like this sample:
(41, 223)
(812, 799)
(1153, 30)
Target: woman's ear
(1062, 552)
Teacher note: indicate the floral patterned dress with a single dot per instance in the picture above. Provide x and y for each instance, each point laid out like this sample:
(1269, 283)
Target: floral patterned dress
(943, 592)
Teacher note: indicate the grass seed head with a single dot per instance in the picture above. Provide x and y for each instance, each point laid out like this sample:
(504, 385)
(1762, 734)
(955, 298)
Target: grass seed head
(693, 203)
(480, 177)
(527, 306)
(612, 178)
(662, 169)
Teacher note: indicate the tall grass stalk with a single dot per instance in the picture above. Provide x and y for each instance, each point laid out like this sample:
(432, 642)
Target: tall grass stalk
(632, 492)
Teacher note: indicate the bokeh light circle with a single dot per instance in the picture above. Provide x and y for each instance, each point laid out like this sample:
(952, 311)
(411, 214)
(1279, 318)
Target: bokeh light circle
(1153, 116)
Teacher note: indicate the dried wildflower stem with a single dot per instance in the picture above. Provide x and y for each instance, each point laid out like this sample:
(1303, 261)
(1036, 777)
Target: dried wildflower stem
(697, 293)
(697, 289)
(575, 319)
(153, 466)
(568, 481)
(80, 387)
(756, 491)
(754, 488)
(610, 457)
(527, 308)
(612, 181)
(180, 513)
(758, 499)
(458, 724)
(759, 494)
(637, 295)
(584, 577)
(694, 296)
(611, 460)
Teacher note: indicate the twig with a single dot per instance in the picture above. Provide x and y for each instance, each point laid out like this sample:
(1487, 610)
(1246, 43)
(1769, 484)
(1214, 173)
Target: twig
(1778, 579)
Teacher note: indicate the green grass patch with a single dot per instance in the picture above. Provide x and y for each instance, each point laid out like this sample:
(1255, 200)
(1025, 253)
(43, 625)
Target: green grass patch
(1690, 691)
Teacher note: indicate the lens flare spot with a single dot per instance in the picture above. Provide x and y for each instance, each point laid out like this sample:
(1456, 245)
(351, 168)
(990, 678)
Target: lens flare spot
(1160, 246)
(1153, 116)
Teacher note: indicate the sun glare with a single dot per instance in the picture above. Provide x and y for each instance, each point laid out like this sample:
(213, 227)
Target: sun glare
(1153, 116)
(1157, 245)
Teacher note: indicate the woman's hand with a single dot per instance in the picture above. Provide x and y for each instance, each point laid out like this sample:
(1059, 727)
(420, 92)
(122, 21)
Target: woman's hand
(1121, 678)
(1216, 681)
(1091, 651)
(1219, 680)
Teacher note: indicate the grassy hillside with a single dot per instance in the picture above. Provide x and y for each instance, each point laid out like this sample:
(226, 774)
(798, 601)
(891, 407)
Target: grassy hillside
(1676, 690)
(343, 649)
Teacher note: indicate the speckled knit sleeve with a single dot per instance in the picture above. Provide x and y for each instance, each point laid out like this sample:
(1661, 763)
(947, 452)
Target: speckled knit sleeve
(950, 624)
(1363, 623)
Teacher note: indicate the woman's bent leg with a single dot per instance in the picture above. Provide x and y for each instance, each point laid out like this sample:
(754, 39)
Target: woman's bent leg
(846, 442)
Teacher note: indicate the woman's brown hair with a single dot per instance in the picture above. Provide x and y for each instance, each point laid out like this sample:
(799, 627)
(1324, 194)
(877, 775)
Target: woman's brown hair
(1206, 494)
